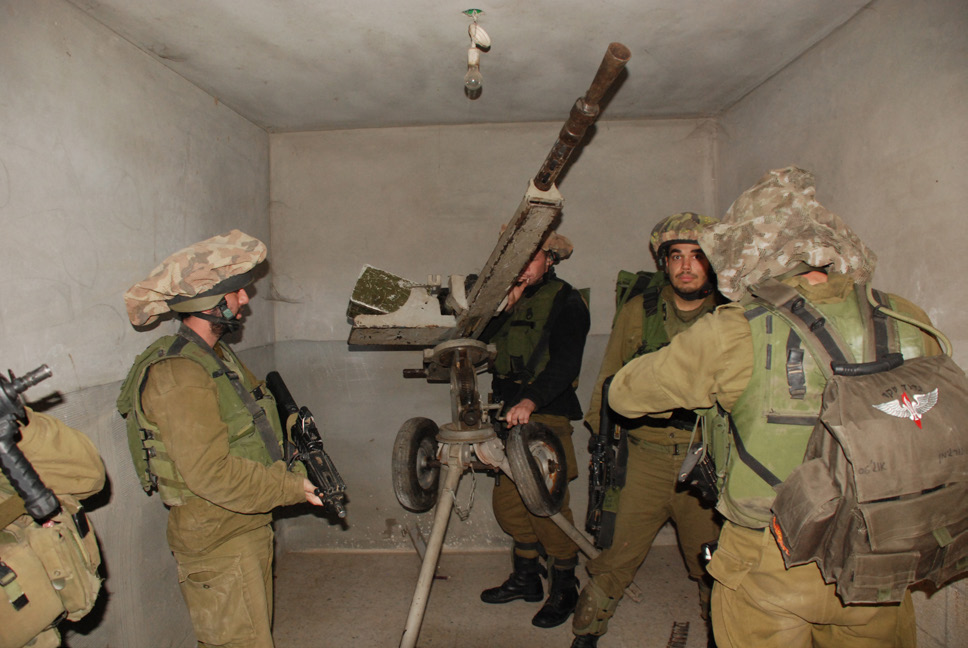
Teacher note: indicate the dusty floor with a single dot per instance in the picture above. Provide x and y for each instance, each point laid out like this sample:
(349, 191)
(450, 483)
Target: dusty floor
(362, 599)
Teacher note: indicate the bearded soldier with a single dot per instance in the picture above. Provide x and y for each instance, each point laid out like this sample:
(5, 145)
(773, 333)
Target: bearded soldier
(750, 363)
(656, 447)
(540, 338)
(211, 436)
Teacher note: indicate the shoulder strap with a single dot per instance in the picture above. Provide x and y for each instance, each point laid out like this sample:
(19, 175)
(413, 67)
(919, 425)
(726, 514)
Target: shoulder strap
(258, 414)
(832, 353)
(752, 462)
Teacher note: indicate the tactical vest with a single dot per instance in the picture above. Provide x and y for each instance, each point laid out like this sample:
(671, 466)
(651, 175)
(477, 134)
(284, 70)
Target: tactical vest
(522, 347)
(654, 335)
(152, 462)
(771, 423)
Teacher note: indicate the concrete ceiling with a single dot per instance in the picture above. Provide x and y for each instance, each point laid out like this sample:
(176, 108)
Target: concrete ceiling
(301, 65)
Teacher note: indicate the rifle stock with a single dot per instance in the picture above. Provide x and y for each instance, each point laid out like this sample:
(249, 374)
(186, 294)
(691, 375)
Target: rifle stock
(300, 434)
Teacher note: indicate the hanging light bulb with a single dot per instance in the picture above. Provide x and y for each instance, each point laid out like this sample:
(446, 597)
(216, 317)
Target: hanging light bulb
(473, 81)
(480, 41)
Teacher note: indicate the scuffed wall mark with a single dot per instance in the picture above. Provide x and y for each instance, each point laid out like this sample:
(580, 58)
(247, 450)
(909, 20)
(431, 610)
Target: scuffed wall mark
(276, 296)
(77, 378)
(4, 185)
(164, 53)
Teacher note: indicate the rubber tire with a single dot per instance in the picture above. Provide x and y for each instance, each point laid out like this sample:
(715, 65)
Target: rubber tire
(531, 450)
(414, 482)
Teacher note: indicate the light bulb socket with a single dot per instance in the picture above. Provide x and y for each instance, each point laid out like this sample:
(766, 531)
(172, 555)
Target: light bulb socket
(473, 57)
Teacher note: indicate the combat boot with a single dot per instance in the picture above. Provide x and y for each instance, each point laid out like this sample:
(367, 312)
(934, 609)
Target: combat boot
(562, 598)
(585, 641)
(523, 583)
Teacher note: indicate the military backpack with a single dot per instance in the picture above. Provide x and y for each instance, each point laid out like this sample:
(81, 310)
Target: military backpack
(878, 502)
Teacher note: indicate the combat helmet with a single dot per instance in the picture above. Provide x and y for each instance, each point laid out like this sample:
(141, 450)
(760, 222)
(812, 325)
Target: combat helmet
(197, 279)
(684, 227)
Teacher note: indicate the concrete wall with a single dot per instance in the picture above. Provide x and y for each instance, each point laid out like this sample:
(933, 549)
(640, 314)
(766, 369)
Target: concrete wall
(108, 163)
(876, 111)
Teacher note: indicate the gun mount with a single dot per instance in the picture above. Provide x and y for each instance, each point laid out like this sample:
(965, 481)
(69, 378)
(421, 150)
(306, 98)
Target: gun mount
(387, 310)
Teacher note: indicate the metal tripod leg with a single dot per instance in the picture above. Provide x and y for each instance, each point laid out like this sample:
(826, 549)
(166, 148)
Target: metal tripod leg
(453, 470)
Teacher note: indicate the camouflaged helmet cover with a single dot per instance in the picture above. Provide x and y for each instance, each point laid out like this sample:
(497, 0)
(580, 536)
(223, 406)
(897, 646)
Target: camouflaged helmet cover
(777, 225)
(684, 227)
(192, 272)
(558, 246)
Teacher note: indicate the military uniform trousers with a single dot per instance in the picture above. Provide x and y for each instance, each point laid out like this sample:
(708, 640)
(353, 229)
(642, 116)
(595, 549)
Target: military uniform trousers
(228, 591)
(647, 501)
(527, 528)
(758, 602)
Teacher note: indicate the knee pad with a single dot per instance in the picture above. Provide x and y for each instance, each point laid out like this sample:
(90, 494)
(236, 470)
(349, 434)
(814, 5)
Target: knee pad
(594, 610)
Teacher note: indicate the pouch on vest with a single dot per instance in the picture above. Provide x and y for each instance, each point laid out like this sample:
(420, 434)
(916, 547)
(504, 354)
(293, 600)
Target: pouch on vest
(878, 502)
(46, 574)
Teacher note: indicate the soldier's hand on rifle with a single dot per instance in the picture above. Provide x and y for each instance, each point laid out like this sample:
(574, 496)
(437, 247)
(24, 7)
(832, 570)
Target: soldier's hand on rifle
(520, 413)
(310, 491)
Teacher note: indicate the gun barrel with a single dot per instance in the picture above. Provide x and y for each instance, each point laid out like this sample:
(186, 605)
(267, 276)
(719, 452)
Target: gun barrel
(583, 114)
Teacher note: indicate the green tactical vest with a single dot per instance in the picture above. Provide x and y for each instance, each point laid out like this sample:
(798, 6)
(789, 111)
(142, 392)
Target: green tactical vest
(519, 336)
(654, 335)
(151, 460)
(774, 417)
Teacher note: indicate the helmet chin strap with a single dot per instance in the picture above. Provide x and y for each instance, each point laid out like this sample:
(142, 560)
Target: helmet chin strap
(225, 317)
(702, 292)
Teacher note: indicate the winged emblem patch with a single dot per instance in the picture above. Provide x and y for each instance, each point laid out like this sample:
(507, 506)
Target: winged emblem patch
(904, 407)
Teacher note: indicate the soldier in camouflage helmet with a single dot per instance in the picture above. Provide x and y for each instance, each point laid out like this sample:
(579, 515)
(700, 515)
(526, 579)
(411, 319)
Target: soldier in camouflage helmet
(653, 448)
(742, 359)
(212, 437)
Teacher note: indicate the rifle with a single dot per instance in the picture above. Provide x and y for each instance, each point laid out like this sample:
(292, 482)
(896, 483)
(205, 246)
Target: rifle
(39, 500)
(301, 440)
(606, 475)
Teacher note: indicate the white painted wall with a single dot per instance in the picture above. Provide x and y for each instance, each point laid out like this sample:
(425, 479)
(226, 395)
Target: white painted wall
(877, 112)
(108, 163)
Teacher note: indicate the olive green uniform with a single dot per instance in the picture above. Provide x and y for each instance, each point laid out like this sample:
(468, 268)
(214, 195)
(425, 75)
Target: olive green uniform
(649, 497)
(225, 486)
(68, 464)
(756, 600)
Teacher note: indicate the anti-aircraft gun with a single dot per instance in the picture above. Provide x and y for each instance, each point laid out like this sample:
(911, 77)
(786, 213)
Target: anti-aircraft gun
(447, 322)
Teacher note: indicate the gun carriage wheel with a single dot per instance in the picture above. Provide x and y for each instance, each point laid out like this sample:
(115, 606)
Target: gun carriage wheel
(416, 469)
(540, 469)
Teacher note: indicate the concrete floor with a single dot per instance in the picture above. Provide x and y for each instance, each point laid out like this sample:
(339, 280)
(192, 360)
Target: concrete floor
(362, 599)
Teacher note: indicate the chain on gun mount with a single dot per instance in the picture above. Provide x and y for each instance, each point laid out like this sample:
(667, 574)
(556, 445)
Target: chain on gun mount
(39, 501)
(301, 440)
